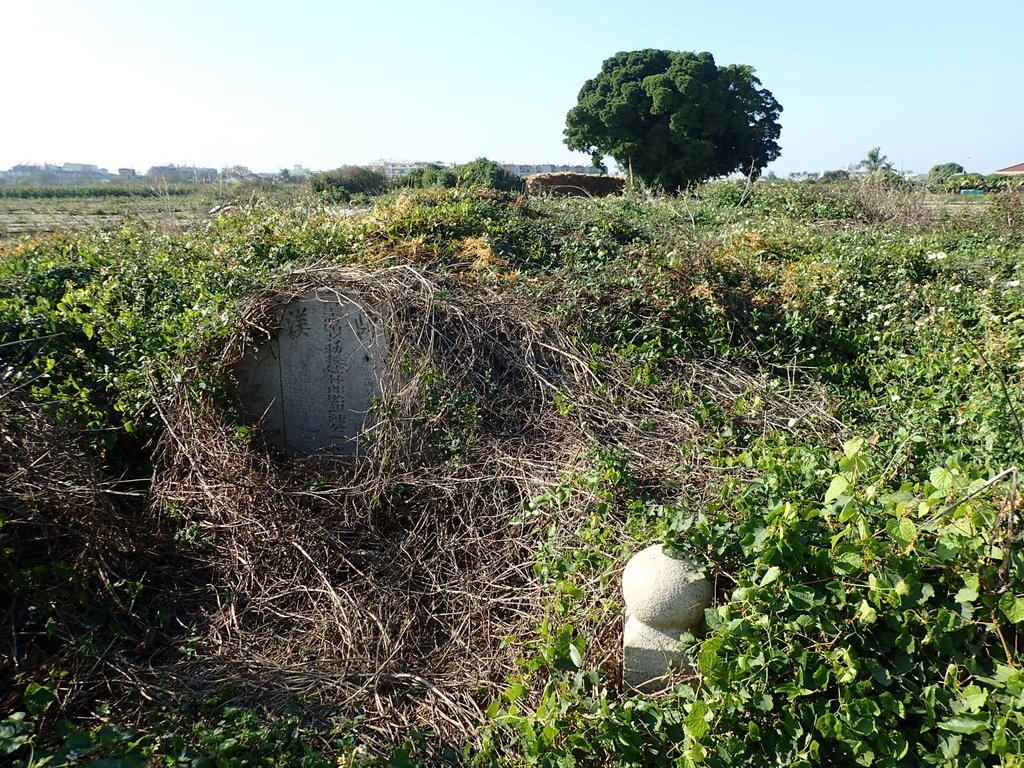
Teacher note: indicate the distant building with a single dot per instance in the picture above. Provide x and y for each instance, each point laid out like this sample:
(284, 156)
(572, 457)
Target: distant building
(126, 174)
(529, 170)
(24, 171)
(395, 168)
(181, 174)
(392, 169)
(76, 172)
(80, 168)
(52, 174)
(1013, 170)
(237, 173)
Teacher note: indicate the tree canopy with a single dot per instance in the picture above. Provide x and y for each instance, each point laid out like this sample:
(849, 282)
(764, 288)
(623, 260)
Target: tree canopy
(876, 161)
(675, 118)
(940, 174)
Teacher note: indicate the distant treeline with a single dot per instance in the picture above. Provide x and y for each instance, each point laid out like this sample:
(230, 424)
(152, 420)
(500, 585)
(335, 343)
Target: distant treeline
(109, 190)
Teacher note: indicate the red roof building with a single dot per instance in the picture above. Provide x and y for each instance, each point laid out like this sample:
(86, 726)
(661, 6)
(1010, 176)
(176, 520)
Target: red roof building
(1013, 170)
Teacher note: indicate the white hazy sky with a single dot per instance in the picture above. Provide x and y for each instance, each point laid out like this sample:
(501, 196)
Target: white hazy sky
(134, 83)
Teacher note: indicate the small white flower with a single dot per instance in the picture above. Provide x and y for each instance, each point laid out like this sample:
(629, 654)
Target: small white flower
(1013, 283)
(936, 256)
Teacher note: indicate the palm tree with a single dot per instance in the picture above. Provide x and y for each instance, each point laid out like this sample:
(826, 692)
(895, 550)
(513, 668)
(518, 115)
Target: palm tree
(876, 161)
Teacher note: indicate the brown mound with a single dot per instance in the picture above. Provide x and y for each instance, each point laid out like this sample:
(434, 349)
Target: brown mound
(574, 184)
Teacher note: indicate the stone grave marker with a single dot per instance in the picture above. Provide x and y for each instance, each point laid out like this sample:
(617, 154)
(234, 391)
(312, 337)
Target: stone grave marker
(312, 386)
(665, 596)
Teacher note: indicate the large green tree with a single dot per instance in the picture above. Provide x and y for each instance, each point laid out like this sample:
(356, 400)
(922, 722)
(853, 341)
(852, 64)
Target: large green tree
(940, 174)
(675, 118)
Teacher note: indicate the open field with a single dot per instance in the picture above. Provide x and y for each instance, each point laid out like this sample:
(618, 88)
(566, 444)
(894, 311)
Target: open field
(813, 393)
(18, 217)
(186, 207)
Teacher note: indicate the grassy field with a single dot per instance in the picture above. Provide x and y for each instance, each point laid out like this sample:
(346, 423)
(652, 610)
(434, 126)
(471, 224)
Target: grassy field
(816, 393)
(43, 210)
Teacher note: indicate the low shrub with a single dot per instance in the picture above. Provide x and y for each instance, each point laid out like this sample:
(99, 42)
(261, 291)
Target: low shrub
(350, 181)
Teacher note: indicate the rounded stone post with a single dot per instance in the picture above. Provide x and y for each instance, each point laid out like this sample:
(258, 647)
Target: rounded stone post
(665, 597)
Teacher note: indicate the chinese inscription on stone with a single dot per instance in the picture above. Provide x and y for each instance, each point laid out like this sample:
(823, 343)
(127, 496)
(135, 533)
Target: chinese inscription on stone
(313, 385)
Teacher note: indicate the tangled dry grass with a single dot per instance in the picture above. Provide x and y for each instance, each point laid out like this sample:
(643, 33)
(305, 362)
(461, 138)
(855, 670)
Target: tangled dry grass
(386, 589)
(73, 541)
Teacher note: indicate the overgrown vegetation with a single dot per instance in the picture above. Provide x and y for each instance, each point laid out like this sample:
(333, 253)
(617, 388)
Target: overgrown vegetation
(477, 173)
(358, 184)
(349, 182)
(813, 390)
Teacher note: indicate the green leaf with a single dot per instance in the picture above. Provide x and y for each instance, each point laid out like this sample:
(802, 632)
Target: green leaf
(576, 656)
(854, 462)
(974, 698)
(801, 599)
(965, 723)
(770, 575)
(847, 561)
(878, 672)
(969, 593)
(38, 699)
(866, 614)
(696, 723)
(903, 531)
(15, 731)
(854, 446)
(707, 658)
(1012, 607)
(712, 619)
(839, 486)
(941, 478)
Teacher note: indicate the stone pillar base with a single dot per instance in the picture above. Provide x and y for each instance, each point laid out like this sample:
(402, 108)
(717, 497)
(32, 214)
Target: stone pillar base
(665, 597)
(649, 654)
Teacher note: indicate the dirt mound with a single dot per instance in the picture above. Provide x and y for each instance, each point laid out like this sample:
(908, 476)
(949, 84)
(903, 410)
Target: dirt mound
(403, 583)
(574, 184)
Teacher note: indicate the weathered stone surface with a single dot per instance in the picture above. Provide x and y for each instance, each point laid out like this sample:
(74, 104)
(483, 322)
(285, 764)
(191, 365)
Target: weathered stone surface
(313, 385)
(665, 597)
(648, 655)
(664, 591)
